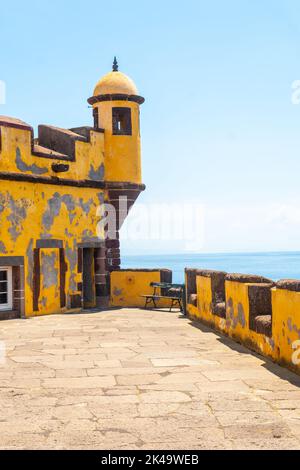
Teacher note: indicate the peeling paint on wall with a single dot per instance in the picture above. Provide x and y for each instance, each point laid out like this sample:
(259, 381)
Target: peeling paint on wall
(101, 198)
(271, 342)
(2, 248)
(71, 256)
(293, 327)
(70, 204)
(118, 292)
(67, 233)
(48, 270)
(241, 315)
(43, 302)
(2, 202)
(53, 210)
(86, 206)
(29, 256)
(17, 216)
(22, 166)
(97, 174)
(88, 235)
(55, 204)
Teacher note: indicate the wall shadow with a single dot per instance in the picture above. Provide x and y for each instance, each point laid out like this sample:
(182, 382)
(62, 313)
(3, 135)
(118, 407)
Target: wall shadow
(273, 367)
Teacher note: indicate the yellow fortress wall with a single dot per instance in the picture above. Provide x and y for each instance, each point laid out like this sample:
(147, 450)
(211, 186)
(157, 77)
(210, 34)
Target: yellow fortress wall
(117, 148)
(55, 189)
(128, 286)
(205, 301)
(238, 319)
(116, 106)
(21, 155)
(286, 321)
(252, 310)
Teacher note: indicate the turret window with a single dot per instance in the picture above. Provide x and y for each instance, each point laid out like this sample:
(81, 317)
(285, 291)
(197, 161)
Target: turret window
(96, 118)
(121, 121)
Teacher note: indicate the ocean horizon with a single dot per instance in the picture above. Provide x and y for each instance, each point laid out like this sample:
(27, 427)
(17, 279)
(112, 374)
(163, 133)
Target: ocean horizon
(273, 265)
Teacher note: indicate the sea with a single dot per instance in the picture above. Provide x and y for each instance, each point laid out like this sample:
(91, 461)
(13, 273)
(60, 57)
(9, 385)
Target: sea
(275, 265)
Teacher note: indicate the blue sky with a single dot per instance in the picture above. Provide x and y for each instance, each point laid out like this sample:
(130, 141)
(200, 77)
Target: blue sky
(218, 124)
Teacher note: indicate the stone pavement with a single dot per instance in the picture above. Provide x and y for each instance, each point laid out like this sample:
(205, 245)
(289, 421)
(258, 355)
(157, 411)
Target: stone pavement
(131, 379)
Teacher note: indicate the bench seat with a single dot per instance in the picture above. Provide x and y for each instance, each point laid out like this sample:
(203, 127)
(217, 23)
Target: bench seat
(150, 296)
(172, 292)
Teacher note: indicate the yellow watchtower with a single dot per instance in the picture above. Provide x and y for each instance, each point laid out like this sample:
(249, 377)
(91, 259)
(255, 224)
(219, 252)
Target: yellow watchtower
(51, 188)
(116, 104)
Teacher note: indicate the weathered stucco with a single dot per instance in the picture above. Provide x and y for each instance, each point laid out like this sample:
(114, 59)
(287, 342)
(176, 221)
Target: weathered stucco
(282, 305)
(128, 287)
(33, 211)
(51, 187)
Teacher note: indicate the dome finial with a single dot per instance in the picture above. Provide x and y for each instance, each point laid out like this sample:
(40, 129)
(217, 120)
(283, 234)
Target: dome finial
(115, 65)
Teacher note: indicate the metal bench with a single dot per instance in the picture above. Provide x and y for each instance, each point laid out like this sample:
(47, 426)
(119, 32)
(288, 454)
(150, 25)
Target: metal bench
(172, 292)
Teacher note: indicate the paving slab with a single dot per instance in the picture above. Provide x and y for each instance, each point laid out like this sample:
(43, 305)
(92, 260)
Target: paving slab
(136, 379)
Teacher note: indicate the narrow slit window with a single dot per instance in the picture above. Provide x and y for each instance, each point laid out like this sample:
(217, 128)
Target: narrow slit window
(121, 120)
(96, 118)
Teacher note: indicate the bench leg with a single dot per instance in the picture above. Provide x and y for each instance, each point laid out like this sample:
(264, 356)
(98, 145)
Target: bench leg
(149, 301)
(176, 302)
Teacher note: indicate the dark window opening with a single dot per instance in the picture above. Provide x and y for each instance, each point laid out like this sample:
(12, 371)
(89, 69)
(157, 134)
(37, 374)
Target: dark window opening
(121, 118)
(96, 118)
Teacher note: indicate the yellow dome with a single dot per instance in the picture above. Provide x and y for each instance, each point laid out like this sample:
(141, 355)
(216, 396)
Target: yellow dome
(115, 83)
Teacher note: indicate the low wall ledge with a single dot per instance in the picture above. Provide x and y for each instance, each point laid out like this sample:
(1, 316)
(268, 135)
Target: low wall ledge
(141, 270)
(261, 285)
(289, 284)
(210, 273)
(251, 278)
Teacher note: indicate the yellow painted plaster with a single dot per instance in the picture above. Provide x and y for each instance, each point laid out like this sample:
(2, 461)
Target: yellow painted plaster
(127, 288)
(286, 326)
(122, 152)
(39, 211)
(16, 156)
